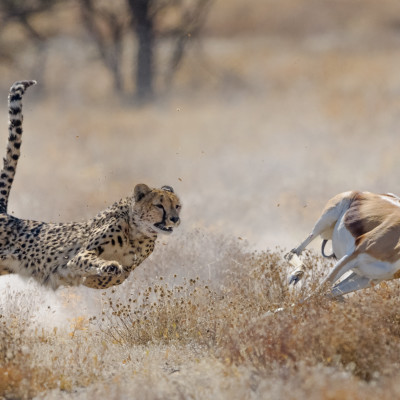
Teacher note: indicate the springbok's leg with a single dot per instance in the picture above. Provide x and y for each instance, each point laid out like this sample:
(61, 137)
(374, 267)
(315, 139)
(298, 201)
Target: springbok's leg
(323, 227)
(352, 283)
(340, 268)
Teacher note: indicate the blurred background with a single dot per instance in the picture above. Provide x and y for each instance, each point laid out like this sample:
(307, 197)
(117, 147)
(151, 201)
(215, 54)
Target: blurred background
(256, 112)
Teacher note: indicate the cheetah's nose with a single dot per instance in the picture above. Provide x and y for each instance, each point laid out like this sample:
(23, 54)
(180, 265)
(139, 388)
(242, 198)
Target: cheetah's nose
(174, 219)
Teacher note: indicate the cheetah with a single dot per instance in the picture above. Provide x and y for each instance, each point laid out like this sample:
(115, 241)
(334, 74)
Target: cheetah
(98, 253)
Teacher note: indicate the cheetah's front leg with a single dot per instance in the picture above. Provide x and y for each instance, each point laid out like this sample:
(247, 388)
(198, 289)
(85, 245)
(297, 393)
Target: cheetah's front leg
(87, 263)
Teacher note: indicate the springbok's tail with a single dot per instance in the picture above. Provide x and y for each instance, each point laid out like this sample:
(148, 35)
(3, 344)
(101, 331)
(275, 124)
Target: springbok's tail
(10, 161)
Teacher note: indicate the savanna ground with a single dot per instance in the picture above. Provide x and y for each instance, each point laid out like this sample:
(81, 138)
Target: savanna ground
(283, 106)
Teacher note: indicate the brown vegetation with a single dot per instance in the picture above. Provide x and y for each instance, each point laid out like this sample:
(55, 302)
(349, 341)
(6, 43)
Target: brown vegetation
(266, 121)
(194, 338)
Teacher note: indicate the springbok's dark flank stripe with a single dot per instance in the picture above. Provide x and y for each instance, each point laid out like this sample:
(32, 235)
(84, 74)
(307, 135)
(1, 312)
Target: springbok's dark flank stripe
(352, 219)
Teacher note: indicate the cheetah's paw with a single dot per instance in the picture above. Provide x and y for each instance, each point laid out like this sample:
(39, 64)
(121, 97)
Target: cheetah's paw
(112, 268)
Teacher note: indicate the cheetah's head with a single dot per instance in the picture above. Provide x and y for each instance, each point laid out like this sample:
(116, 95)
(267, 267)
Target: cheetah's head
(156, 210)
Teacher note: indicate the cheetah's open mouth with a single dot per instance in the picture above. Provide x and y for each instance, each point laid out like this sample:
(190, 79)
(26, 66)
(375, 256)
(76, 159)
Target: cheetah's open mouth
(163, 228)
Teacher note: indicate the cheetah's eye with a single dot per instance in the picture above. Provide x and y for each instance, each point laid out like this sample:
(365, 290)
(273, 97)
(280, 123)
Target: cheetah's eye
(178, 207)
(160, 206)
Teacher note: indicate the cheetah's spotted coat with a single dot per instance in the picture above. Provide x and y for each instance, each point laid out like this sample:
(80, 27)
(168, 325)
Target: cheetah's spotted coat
(97, 253)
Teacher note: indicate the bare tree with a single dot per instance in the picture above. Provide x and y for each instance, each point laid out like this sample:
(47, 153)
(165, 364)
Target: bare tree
(143, 27)
(107, 26)
(109, 22)
(146, 17)
(191, 21)
(21, 12)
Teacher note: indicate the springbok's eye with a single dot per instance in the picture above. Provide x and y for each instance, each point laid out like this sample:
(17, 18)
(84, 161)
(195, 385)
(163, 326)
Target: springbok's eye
(160, 206)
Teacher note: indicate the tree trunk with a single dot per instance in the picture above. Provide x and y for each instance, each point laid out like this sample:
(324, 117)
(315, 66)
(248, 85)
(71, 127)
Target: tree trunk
(109, 43)
(143, 27)
(115, 58)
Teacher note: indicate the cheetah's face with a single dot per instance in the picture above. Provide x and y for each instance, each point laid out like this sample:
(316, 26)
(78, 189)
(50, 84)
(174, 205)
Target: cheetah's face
(156, 210)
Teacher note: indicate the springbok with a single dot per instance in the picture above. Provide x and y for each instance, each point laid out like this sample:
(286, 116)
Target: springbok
(365, 232)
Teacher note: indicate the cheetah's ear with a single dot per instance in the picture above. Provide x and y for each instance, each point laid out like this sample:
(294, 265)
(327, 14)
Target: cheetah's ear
(168, 189)
(140, 191)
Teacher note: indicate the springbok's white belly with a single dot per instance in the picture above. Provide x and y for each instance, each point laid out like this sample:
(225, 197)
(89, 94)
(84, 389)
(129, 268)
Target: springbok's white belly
(370, 267)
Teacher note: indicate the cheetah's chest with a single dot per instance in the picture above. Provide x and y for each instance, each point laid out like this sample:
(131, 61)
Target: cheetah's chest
(129, 253)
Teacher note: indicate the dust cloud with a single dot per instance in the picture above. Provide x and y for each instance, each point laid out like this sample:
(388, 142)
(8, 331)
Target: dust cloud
(254, 155)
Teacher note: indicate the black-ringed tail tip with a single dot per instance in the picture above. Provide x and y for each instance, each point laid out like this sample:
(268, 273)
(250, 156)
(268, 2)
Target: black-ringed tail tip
(15, 95)
(25, 84)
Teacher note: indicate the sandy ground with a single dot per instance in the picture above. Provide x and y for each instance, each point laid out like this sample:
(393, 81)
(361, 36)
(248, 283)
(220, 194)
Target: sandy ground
(254, 143)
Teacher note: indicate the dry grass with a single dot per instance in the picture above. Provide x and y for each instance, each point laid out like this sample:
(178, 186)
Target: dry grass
(259, 131)
(194, 339)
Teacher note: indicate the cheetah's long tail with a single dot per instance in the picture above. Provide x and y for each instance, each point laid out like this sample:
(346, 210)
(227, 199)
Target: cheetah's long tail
(10, 161)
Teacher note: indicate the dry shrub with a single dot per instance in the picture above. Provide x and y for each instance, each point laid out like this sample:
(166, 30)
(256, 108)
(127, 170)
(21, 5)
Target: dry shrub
(34, 360)
(20, 377)
(359, 336)
(260, 282)
(162, 314)
(192, 309)
(181, 307)
(169, 333)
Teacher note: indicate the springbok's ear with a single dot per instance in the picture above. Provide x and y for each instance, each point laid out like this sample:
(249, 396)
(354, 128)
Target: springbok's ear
(168, 189)
(140, 191)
